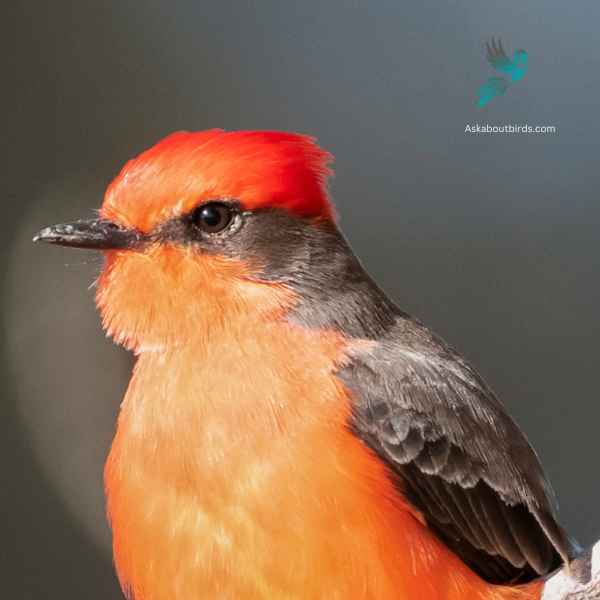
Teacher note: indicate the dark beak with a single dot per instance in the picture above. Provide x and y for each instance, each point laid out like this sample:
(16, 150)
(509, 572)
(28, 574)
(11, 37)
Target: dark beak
(97, 234)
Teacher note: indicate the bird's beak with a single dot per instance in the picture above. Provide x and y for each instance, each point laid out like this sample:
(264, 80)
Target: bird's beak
(96, 234)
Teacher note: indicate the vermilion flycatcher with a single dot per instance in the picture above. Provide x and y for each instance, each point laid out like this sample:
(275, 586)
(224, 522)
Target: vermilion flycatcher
(288, 432)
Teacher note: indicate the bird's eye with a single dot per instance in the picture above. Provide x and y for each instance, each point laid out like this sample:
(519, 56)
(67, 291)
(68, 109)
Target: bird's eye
(212, 217)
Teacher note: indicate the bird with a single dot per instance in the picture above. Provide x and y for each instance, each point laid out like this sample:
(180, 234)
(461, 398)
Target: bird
(289, 432)
(515, 69)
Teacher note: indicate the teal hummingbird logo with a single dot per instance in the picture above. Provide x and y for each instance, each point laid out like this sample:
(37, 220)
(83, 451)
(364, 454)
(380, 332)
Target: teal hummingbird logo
(513, 70)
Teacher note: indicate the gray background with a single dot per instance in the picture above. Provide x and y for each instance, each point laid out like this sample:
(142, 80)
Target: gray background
(492, 240)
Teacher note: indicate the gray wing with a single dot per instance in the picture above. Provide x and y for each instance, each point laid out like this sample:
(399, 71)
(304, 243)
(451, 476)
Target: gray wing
(456, 454)
(497, 57)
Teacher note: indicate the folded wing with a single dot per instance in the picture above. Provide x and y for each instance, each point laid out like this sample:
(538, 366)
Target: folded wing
(458, 456)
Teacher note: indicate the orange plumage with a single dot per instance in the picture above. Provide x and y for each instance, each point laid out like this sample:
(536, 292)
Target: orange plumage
(234, 473)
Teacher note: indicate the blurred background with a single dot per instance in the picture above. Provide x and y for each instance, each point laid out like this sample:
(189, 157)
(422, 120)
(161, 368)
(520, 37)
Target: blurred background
(492, 240)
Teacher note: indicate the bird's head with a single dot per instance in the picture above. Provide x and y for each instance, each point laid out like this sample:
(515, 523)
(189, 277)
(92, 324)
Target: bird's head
(204, 226)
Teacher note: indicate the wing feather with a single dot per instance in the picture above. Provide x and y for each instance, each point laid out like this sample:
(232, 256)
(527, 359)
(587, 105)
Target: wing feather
(457, 455)
(497, 57)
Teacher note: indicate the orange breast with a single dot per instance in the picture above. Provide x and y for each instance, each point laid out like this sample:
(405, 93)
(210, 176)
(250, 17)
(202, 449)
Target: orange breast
(233, 475)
